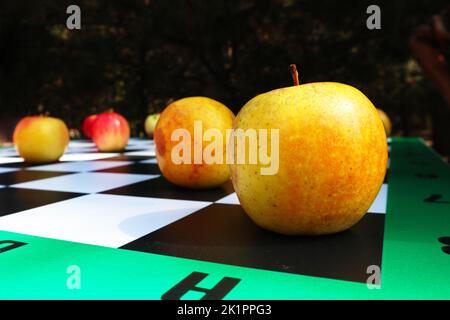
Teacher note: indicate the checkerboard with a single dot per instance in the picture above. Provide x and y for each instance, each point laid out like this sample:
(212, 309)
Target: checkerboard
(116, 212)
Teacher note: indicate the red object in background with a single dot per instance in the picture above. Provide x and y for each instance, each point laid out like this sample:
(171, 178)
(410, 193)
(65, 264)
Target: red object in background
(87, 125)
(110, 132)
(430, 44)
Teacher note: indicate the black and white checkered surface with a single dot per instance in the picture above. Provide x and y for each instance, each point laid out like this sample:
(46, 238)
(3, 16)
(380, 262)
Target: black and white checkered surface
(121, 200)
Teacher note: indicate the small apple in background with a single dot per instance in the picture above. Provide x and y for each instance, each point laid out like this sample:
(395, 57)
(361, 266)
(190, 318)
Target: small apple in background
(386, 122)
(87, 125)
(41, 139)
(74, 133)
(150, 124)
(110, 132)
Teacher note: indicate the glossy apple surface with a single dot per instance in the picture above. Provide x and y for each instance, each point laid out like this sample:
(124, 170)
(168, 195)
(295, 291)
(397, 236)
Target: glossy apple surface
(41, 139)
(182, 114)
(332, 159)
(110, 132)
(87, 125)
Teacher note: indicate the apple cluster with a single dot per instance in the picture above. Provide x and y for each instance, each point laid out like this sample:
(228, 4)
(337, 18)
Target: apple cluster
(109, 131)
(331, 151)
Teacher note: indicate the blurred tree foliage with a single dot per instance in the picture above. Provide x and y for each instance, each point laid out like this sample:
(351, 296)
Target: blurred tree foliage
(138, 55)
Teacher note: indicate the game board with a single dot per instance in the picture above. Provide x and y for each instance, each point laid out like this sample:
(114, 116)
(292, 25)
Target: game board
(132, 235)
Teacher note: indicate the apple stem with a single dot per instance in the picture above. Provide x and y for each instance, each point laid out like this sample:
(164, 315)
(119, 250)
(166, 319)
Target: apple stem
(294, 74)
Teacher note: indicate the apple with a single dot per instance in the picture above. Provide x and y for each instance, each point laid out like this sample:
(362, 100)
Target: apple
(150, 123)
(41, 139)
(88, 122)
(110, 132)
(386, 122)
(332, 158)
(185, 116)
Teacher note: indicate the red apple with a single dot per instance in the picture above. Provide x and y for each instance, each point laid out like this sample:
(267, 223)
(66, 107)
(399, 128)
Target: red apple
(110, 132)
(41, 139)
(87, 125)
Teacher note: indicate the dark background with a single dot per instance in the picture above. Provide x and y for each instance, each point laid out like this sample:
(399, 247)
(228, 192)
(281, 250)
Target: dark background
(137, 56)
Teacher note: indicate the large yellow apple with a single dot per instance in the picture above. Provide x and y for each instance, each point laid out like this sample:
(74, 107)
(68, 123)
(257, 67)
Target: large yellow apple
(183, 115)
(41, 139)
(332, 159)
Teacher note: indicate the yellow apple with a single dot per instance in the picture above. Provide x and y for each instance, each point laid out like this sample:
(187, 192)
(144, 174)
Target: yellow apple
(41, 139)
(184, 115)
(386, 122)
(332, 159)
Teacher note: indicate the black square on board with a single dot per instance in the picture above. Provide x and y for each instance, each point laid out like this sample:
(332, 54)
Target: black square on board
(13, 200)
(225, 234)
(161, 188)
(124, 157)
(21, 176)
(135, 168)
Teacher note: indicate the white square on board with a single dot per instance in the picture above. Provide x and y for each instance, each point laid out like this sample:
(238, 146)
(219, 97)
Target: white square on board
(146, 153)
(80, 166)
(10, 160)
(88, 182)
(99, 219)
(87, 156)
(380, 203)
(6, 170)
(149, 161)
(229, 199)
(81, 150)
(81, 144)
(8, 152)
(134, 141)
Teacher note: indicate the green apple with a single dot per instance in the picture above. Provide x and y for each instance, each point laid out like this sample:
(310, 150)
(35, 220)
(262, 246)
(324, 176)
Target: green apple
(150, 124)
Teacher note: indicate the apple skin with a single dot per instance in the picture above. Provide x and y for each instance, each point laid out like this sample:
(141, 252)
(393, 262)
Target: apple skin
(41, 139)
(386, 122)
(110, 132)
(182, 114)
(150, 124)
(332, 159)
(87, 125)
